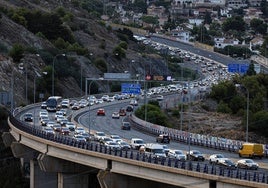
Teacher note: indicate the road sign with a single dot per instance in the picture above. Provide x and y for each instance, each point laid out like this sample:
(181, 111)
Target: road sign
(238, 68)
(233, 67)
(128, 88)
(243, 68)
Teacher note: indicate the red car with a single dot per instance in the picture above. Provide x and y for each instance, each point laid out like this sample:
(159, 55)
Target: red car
(122, 112)
(101, 112)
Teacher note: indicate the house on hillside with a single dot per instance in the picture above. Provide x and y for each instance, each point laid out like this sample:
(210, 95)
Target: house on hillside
(221, 42)
(180, 34)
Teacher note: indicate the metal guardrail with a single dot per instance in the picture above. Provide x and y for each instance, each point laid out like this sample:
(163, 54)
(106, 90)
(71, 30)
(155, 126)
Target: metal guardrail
(183, 136)
(259, 177)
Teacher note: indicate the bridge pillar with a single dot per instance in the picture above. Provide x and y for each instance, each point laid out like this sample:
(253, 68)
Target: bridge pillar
(7, 139)
(41, 179)
(109, 179)
(68, 174)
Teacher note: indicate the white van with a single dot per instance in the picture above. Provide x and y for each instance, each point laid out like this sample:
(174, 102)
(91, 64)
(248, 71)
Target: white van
(136, 143)
(155, 150)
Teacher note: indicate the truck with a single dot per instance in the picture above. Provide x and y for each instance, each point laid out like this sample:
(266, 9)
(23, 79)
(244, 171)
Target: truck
(251, 150)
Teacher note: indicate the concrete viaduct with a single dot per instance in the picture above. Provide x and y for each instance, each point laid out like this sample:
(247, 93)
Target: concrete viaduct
(59, 165)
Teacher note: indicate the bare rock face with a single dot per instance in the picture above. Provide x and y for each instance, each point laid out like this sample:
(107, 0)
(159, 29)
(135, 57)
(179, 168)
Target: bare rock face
(13, 33)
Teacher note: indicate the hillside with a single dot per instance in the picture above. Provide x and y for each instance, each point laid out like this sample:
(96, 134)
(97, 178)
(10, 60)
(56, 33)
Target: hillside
(96, 42)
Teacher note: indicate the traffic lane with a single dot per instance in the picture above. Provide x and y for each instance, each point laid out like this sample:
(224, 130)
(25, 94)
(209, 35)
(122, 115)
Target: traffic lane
(188, 47)
(113, 126)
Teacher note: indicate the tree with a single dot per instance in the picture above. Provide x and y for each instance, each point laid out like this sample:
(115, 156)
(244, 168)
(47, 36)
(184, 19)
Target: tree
(251, 70)
(258, 26)
(207, 19)
(16, 52)
(150, 20)
(234, 23)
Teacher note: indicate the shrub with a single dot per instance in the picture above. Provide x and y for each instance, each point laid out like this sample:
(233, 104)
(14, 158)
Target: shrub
(16, 52)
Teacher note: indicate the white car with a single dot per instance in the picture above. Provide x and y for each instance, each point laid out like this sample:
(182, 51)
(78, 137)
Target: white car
(70, 125)
(160, 97)
(215, 158)
(112, 145)
(79, 130)
(115, 115)
(99, 135)
(177, 154)
(115, 138)
(247, 164)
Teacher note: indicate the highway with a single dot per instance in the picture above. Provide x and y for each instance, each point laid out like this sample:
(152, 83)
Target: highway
(112, 126)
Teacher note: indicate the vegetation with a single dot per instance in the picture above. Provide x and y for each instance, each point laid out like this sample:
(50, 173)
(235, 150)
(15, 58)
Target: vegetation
(233, 99)
(154, 114)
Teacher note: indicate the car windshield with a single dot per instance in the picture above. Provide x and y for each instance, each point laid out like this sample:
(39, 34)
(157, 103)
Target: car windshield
(219, 156)
(196, 152)
(112, 143)
(80, 128)
(178, 152)
(139, 141)
(158, 151)
(123, 143)
(249, 161)
(100, 134)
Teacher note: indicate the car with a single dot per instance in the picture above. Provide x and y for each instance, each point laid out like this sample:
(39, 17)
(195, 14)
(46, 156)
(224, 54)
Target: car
(65, 104)
(60, 118)
(75, 106)
(99, 101)
(110, 99)
(133, 102)
(50, 123)
(99, 135)
(215, 158)
(43, 113)
(44, 105)
(136, 143)
(64, 112)
(122, 112)
(70, 125)
(100, 112)
(65, 131)
(44, 120)
(177, 154)
(48, 130)
(115, 115)
(63, 122)
(57, 127)
(247, 164)
(105, 97)
(163, 138)
(165, 149)
(86, 136)
(129, 108)
(195, 155)
(226, 162)
(79, 138)
(124, 145)
(58, 113)
(159, 97)
(28, 117)
(79, 130)
(125, 126)
(112, 145)
(105, 139)
(115, 138)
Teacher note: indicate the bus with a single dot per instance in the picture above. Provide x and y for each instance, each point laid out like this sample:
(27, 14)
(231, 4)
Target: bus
(53, 103)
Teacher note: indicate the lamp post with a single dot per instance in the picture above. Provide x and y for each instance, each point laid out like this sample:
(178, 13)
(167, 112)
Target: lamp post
(89, 117)
(247, 113)
(53, 72)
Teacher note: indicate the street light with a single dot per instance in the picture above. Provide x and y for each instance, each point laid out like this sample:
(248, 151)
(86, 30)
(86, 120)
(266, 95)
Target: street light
(239, 85)
(54, 59)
